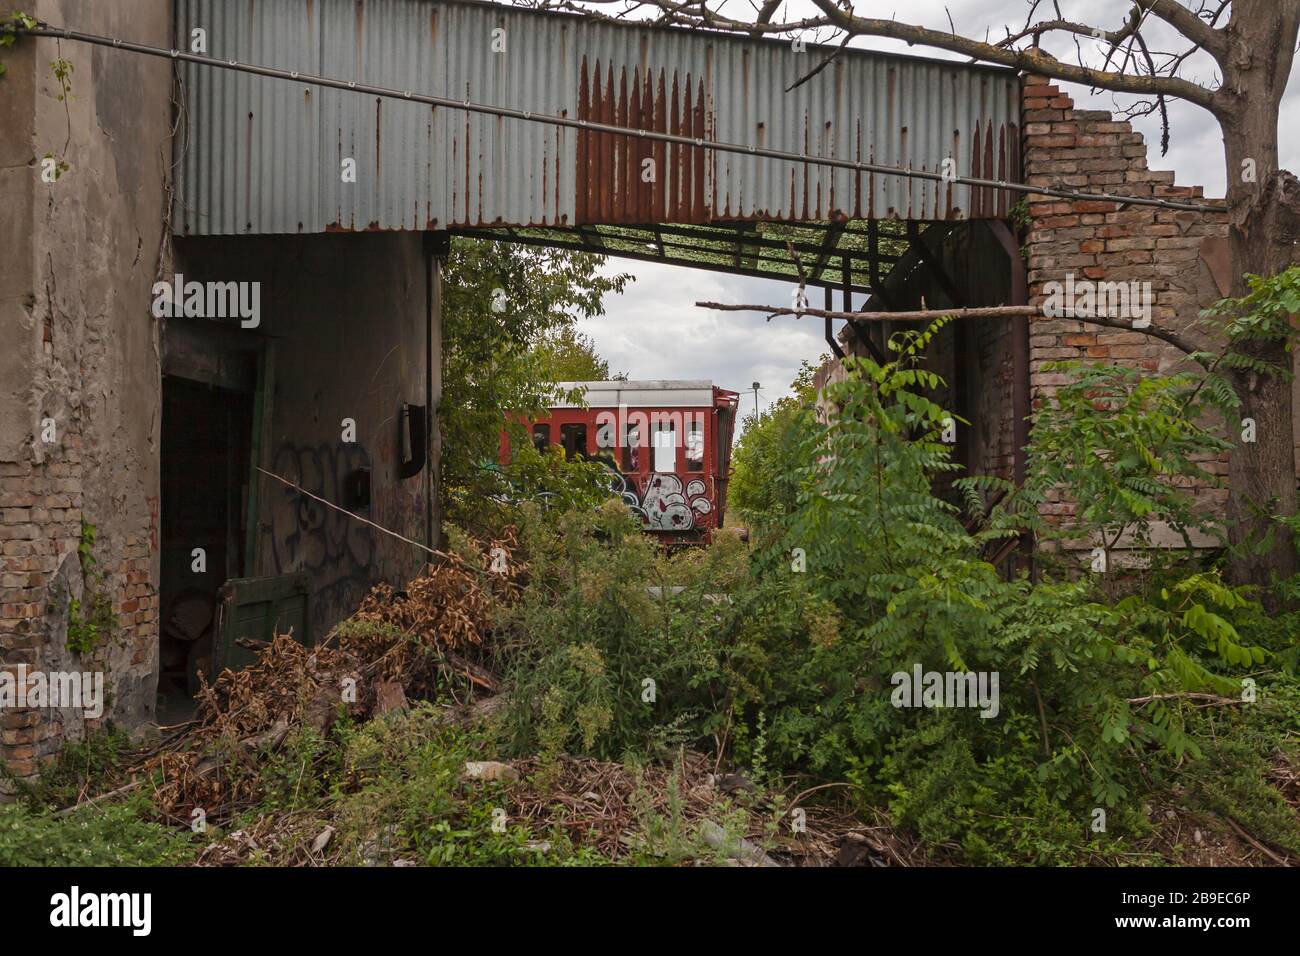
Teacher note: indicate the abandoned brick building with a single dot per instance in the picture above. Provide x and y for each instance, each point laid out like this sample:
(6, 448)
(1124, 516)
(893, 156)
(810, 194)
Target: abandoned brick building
(145, 445)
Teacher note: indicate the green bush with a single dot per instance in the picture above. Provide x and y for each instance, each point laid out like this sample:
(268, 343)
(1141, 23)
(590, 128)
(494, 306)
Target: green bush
(874, 575)
(400, 795)
(596, 643)
(542, 481)
(82, 766)
(763, 488)
(114, 835)
(1130, 449)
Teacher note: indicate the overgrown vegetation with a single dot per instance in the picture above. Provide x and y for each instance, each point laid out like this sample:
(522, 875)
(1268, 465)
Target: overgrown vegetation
(91, 620)
(1128, 705)
(764, 487)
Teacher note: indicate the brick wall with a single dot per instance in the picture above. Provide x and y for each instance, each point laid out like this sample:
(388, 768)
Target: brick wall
(40, 507)
(1181, 253)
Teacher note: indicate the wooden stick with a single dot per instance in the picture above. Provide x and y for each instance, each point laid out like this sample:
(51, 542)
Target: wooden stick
(1241, 832)
(993, 311)
(96, 799)
(920, 315)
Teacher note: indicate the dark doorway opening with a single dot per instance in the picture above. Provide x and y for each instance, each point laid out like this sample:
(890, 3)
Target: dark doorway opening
(206, 446)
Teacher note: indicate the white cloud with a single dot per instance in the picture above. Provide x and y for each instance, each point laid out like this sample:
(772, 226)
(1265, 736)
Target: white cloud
(655, 330)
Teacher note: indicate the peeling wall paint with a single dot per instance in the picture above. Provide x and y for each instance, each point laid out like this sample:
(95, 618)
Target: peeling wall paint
(81, 356)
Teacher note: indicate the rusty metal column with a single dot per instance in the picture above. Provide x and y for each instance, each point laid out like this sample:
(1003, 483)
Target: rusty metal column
(1020, 401)
(1020, 394)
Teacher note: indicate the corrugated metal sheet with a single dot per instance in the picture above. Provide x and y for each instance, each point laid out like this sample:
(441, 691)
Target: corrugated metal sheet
(264, 155)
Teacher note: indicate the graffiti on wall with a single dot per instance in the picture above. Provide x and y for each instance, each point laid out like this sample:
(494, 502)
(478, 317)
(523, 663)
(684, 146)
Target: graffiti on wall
(662, 502)
(338, 552)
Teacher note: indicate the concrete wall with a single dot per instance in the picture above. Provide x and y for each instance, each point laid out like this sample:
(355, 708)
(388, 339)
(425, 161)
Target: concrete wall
(80, 348)
(347, 316)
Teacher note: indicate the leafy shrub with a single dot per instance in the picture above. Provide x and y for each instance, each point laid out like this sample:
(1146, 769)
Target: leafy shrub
(1092, 693)
(544, 481)
(90, 621)
(91, 764)
(1125, 450)
(399, 795)
(609, 622)
(113, 835)
(763, 487)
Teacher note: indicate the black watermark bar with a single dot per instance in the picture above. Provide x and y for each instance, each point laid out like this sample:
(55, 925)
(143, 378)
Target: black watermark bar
(336, 906)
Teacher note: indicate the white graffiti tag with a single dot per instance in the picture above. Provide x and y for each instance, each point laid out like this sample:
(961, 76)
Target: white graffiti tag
(668, 508)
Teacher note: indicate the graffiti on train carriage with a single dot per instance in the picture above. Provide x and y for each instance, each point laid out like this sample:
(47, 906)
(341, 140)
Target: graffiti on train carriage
(665, 443)
(662, 502)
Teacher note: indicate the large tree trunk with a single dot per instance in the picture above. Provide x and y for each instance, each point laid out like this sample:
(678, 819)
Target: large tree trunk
(1265, 223)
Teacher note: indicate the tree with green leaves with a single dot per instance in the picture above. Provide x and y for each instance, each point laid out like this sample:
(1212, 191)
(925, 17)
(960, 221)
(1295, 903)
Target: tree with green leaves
(762, 486)
(570, 356)
(508, 319)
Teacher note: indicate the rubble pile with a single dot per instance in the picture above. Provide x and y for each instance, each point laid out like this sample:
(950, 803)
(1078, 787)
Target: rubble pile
(400, 645)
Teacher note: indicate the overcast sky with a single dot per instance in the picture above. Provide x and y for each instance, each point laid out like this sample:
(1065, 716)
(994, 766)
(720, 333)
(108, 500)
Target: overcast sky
(653, 329)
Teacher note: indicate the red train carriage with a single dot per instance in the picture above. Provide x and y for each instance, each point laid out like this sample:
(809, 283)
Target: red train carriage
(667, 445)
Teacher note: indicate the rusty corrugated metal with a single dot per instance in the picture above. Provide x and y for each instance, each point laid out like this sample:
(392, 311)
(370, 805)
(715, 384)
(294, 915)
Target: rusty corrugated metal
(264, 156)
(249, 161)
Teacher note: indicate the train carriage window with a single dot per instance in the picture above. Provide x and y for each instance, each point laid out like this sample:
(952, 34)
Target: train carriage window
(574, 439)
(666, 447)
(541, 436)
(631, 448)
(695, 446)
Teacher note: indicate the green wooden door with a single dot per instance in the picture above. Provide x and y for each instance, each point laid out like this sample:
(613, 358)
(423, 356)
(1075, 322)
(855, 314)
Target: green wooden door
(257, 609)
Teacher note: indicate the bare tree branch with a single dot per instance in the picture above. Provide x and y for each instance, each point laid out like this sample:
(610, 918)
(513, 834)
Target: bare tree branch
(767, 11)
(918, 315)
(826, 61)
(1177, 340)
(839, 15)
(1032, 60)
(1180, 342)
(1036, 30)
(1189, 25)
(1160, 99)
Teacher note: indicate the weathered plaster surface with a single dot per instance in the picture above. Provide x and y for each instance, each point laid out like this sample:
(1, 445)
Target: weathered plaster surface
(81, 347)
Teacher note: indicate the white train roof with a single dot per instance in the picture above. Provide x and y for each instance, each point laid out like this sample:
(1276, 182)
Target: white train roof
(656, 393)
